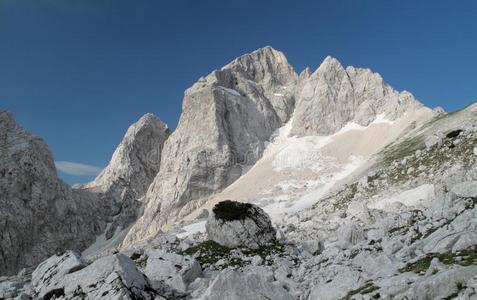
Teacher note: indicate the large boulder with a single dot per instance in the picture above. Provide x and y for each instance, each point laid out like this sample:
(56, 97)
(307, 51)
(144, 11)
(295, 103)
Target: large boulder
(175, 270)
(51, 271)
(235, 285)
(110, 277)
(443, 285)
(342, 279)
(234, 224)
(467, 189)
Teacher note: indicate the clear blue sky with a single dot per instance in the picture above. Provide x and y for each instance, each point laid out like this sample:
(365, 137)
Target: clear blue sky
(79, 72)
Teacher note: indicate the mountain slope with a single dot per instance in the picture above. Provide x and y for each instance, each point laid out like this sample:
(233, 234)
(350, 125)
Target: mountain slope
(230, 116)
(39, 214)
(133, 166)
(333, 96)
(227, 118)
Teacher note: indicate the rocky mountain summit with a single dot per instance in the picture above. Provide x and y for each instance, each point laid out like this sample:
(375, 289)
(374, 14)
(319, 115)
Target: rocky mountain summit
(133, 166)
(333, 96)
(341, 188)
(229, 117)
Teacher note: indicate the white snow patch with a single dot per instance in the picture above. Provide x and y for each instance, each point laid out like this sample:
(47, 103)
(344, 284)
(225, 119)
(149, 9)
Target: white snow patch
(350, 126)
(381, 118)
(314, 196)
(295, 152)
(191, 229)
(230, 91)
(420, 196)
(278, 94)
(102, 243)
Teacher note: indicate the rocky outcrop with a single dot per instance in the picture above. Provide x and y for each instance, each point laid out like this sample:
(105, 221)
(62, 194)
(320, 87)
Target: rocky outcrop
(46, 276)
(227, 118)
(235, 285)
(234, 224)
(333, 96)
(175, 270)
(110, 277)
(406, 230)
(39, 214)
(133, 166)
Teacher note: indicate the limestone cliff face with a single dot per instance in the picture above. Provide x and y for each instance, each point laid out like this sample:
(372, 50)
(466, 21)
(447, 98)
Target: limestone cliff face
(227, 118)
(39, 214)
(333, 96)
(132, 168)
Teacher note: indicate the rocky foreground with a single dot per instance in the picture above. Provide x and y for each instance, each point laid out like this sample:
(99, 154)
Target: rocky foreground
(407, 230)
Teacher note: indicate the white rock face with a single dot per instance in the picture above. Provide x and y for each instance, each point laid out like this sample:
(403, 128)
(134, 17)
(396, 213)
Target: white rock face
(110, 277)
(133, 166)
(137, 158)
(234, 285)
(51, 271)
(39, 213)
(227, 118)
(406, 230)
(175, 270)
(435, 139)
(333, 96)
(467, 189)
(443, 284)
(234, 224)
(230, 115)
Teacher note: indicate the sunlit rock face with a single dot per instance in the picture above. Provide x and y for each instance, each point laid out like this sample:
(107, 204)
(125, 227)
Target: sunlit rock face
(333, 96)
(227, 118)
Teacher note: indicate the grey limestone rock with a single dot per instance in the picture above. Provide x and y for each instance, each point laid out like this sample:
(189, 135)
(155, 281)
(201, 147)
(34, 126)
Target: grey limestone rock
(234, 224)
(39, 214)
(132, 168)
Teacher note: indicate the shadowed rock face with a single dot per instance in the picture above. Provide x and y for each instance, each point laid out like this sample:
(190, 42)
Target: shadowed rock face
(39, 214)
(132, 168)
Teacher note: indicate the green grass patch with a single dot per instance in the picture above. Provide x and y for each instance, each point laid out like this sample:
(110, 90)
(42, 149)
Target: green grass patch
(229, 210)
(465, 257)
(402, 149)
(210, 252)
(365, 289)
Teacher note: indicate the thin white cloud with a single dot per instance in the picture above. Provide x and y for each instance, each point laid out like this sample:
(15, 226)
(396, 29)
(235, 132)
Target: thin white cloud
(77, 169)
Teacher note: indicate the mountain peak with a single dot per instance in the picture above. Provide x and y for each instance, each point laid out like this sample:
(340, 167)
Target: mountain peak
(150, 119)
(265, 56)
(329, 64)
(131, 164)
(267, 51)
